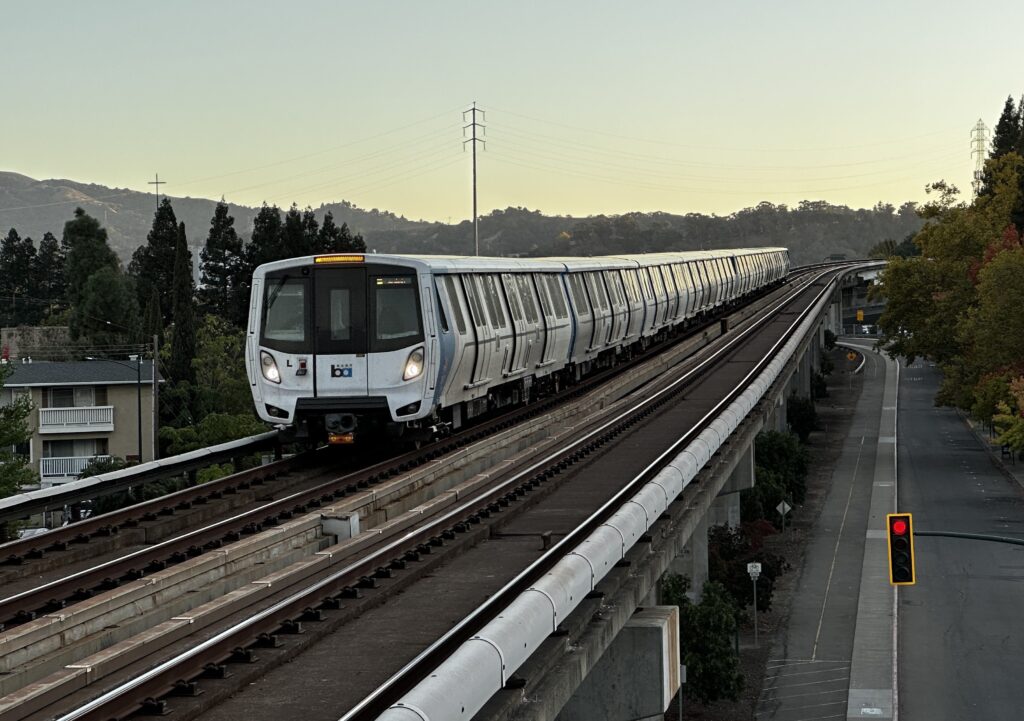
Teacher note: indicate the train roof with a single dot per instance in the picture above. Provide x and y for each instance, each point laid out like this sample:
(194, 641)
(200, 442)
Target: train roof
(484, 264)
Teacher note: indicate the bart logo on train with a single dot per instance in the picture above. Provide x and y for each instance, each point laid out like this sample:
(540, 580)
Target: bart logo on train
(341, 371)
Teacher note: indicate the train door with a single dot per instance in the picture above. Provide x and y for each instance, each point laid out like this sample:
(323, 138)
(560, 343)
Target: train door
(464, 350)
(520, 343)
(339, 331)
(532, 314)
(483, 344)
(548, 316)
(584, 338)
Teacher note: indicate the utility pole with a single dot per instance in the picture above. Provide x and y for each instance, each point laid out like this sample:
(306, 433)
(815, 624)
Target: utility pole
(158, 183)
(979, 139)
(473, 139)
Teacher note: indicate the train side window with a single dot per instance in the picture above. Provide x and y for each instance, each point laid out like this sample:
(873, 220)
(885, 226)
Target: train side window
(557, 296)
(547, 307)
(473, 296)
(441, 316)
(453, 298)
(597, 290)
(526, 294)
(512, 292)
(579, 294)
(493, 300)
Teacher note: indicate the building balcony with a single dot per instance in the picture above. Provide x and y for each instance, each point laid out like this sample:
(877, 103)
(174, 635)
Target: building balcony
(67, 467)
(85, 419)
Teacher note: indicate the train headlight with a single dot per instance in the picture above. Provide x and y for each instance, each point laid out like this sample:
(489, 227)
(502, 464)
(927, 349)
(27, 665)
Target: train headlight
(413, 365)
(269, 365)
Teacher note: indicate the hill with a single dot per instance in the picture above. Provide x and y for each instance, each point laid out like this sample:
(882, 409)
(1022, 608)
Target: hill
(812, 230)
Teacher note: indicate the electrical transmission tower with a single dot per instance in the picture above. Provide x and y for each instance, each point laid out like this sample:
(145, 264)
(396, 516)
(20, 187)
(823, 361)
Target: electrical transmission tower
(979, 141)
(473, 139)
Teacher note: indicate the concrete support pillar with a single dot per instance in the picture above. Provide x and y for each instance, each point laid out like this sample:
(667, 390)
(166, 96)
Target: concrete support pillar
(725, 511)
(692, 563)
(637, 677)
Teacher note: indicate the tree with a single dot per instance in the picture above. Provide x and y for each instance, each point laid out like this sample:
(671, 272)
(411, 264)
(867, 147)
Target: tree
(152, 320)
(153, 263)
(332, 239)
(107, 312)
(310, 231)
(223, 266)
(17, 258)
(183, 343)
(1006, 134)
(49, 275)
(707, 630)
(15, 470)
(266, 244)
(296, 238)
(219, 365)
(87, 252)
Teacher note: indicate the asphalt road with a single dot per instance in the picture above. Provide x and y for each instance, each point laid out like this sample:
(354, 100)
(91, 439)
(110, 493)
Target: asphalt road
(961, 628)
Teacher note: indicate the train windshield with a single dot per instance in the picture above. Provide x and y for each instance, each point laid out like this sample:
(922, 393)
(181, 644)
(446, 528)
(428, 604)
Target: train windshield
(285, 314)
(395, 310)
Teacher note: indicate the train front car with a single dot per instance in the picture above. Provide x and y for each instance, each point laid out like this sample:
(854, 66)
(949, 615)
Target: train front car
(337, 345)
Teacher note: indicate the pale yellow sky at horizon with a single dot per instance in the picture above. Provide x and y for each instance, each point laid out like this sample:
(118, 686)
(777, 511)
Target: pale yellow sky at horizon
(591, 107)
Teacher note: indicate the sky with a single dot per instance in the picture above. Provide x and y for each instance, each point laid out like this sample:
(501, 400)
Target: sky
(590, 106)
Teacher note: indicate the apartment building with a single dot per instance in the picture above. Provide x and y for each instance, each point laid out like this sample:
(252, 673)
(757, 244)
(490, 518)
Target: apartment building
(84, 410)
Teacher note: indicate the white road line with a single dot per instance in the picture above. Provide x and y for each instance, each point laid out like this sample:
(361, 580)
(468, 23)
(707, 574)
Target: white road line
(812, 693)
(830, 669)
(809, 683)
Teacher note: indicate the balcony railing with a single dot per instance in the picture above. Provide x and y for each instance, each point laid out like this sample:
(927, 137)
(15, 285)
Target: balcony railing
(91, 419)
(65, 467)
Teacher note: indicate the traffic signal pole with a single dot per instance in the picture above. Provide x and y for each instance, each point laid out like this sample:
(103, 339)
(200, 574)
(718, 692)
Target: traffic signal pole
(972, 536)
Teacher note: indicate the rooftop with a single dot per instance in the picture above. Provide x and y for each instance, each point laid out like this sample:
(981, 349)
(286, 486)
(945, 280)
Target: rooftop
(72, 373)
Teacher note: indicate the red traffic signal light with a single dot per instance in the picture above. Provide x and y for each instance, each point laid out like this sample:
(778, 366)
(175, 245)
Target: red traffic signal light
(901, 549)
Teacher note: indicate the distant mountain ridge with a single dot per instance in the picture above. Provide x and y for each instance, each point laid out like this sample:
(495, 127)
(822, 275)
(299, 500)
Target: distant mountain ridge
(37, 206)
(812, 230)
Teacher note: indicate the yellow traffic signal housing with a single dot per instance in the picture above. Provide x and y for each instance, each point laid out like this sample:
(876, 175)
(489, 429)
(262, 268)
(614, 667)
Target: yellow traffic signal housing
(900, 533)
(860, 316)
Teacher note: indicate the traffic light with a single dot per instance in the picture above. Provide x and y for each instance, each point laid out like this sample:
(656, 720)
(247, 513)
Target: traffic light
(901, 549)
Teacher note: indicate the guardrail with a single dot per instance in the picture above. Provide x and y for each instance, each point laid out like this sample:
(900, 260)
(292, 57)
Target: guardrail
(26, 504)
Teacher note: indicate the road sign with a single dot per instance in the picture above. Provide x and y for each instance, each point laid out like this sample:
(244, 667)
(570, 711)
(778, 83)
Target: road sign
(754, 569)
(783, 508)
(851, 356)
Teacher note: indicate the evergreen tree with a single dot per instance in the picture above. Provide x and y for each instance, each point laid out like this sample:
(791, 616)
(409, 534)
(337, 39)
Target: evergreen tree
(333, 239)
(108, 311)
(183, 344)
(293, 236)
(310, 232)
(1005, 139)
(223, 268)
(266, 243)
(152, 320)
(17, 257)
(87, 252)
(153, 263)
(49, 275)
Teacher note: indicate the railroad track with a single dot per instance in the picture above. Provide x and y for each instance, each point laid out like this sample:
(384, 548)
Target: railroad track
(334, 574)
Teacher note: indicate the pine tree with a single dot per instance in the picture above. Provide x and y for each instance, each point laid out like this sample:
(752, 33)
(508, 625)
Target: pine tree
(87, 252)
(17, 257)
(1005, 138)
(50, 276)
(153, 263)
(183, 344)
(266, 243)
(223, 266)
(15, 470)
(108, 311)
(333, 239)
(293, 236)
(152, 320)
(310, 232)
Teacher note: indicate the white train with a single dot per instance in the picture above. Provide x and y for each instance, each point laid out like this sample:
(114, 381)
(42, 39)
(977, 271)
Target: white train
(341, 345)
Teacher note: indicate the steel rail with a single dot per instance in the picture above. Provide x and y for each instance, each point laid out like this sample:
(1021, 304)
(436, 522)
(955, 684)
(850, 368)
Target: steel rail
(52, 596)
(404, 679)
(161, 678)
